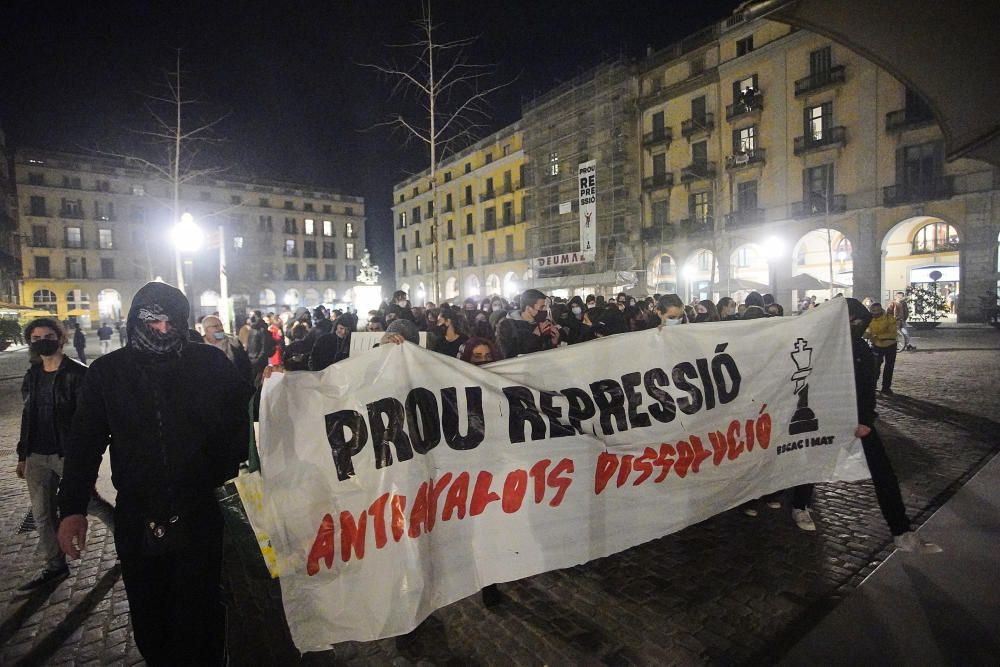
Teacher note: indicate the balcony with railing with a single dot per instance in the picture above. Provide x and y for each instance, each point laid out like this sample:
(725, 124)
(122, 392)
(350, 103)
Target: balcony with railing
(942, 187)
(663, 233)
(907, 119)
(820, 80)
(745, 108)
(745, 159)
(448, 208)
(834, 136)
(816, 205)
(698, 125)
(71, 213)
(657, 181)
(489, 225)
(659, 136)
(746, 216)
(488, 195)
(697, 226)
(40, 243)
(75, 244)
(697, 171)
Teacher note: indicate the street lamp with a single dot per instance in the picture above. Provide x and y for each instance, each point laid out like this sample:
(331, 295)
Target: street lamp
(187, 237)
(774, 248)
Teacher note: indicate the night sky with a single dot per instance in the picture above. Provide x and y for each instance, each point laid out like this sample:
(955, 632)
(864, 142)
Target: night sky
(300, 107)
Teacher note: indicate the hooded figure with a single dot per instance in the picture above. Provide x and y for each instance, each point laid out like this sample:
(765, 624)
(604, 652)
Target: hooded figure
(335, 346)
(175, 416)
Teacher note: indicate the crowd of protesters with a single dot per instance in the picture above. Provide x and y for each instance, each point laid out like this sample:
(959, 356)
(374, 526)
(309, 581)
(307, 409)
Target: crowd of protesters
(172, 402)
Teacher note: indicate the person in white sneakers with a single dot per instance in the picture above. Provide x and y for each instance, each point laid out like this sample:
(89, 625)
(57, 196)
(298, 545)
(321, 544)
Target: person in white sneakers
(890, 500)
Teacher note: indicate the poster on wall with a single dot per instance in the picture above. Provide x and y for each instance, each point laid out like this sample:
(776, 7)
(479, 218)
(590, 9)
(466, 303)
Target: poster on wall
(587, 181)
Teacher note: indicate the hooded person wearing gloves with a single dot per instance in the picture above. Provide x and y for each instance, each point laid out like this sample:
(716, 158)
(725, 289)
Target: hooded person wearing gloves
(175, 415)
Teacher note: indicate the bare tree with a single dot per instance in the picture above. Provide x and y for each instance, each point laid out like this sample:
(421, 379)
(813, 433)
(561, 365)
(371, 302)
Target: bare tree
(450, 94)
(176, 148)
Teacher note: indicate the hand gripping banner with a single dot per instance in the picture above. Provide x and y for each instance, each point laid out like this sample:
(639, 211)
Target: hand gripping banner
(400, 480)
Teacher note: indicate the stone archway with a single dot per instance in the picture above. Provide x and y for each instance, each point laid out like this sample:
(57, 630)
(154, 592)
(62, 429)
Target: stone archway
(819, 257)
(662, 274)
(917, 247)
(697, 273)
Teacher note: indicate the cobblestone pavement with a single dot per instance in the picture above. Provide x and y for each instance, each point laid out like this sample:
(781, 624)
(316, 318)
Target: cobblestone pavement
(730, 590)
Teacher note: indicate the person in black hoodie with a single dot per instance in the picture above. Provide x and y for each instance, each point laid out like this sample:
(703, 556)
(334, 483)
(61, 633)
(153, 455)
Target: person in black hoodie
(260, 345)
(336, 346)
(175, 415)
(529, 329)
(886, 485)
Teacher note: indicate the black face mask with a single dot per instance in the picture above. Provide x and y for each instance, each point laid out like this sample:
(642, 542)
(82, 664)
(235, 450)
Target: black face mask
(45, 348)
(541, 316)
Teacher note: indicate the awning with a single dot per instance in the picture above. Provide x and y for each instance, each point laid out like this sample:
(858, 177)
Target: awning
(805, 281)
(946, 51)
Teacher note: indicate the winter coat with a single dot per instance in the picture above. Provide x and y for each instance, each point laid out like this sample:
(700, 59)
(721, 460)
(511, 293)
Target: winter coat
(260, 345)
(882, 331)
(66, 387)
(79, 339)
(516, 336)
(177, 425)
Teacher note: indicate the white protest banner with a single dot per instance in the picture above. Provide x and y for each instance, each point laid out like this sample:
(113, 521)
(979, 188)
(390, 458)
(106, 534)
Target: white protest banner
(400, 481)
(587, 180)
(363, 341)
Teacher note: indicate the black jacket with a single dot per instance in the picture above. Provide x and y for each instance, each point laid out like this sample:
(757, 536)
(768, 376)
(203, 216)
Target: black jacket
(516, 337)
(178, 427)
(260, 345)
(66, 386)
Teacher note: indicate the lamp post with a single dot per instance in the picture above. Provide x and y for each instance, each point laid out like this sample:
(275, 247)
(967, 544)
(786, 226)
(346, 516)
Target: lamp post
(774, 248)
(187, 237)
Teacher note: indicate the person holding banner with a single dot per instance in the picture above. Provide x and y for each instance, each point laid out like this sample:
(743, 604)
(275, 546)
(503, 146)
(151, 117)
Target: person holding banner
(175, 415)
(887, 491)
(529, 329)
(452, 330)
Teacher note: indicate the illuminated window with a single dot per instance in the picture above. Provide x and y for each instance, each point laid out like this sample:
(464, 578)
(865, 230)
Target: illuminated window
(310, 226)
(935, 237)
(328, 226)
(349, 250)
(554, 163)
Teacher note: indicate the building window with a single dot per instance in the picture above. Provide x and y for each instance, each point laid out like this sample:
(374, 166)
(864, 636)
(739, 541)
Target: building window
(404, 266)
(37, 205)
(351, 272)
(103, 186)
(349, 233)
(264, 202)
(328, 226)
(451, 259)
(36, 179)
(746, 196)
(416, 215)
(468, 167)
(311, 273)
(39, 236)
(290, 248)
(290, 206)
(820, 61)
(329, 272)
(42, 269)
(666, 265)
(509, 246)
(659, 165)
(71, 182)
(416, 190)
(105, 240)
(489, 158)
(74, 239)
(844, 249)
(330, 250)
(107, 268)
(309, 226)
(935, 237)
(490, 218)
(291, 226)
(44, 299)
(699, 152)
(818, 121)
(700, 207)
(743, 258)
(470, 255)
(661, 212)
(921, 166)
(817, 188)
(349, 250)
(451, 229)
(291, 271)
(420, 263)
(704, 259)
(76, 267)
(744, 46)
(744, 139)
(307, 207)
(328, 209)
(447, 203)
(508, 213)
(469, 227)
(265, 223)
(554, 163)
(468, 195)
(238, 242)
(71, 208)
(699, 111)
(309, 249)
(447, 177)
(430, 209)
(489, 187)
(506, 149)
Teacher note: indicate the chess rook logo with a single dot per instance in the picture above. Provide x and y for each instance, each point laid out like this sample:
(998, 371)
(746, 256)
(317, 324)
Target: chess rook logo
(804, 420)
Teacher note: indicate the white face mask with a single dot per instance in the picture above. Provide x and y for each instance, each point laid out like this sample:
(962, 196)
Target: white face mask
(577, 310)
(670, 322)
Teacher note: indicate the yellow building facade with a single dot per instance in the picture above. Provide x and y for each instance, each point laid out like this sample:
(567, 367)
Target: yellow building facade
(477, 215)
(776, 159)
(92, 231)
